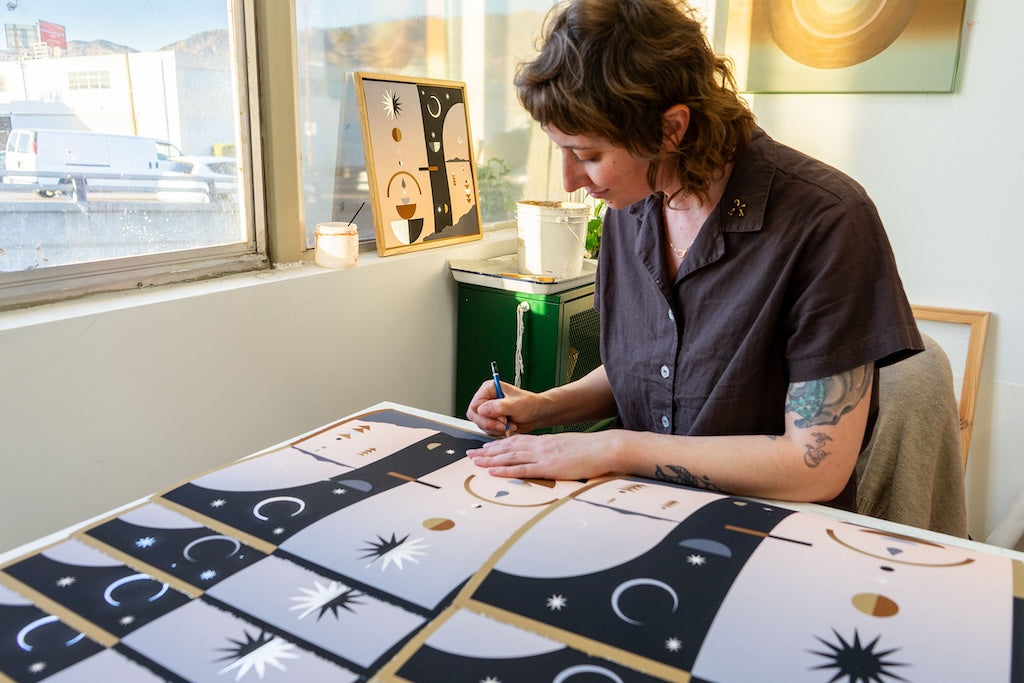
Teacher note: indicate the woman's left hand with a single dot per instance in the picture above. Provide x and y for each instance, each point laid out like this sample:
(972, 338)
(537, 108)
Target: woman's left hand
(567, 456)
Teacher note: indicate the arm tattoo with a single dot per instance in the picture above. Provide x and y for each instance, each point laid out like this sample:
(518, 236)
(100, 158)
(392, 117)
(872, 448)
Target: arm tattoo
(816, 453)
(824, 401)
(681, 475)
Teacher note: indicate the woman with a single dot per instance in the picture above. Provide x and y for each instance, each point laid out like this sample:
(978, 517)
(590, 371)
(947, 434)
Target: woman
(747, 292)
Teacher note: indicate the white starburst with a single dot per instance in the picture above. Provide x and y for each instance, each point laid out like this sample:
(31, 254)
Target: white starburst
(394, 551)
(315, 598)
(339, 492)
(406, 551)
(557, 602)
(450, 451)
(145, 542)
(278, 531)
(65, 581)
(37, 667)
(127, 620)
(490, 679)
(220, 502)
(208, 574)
(392, 104)
(673, 645)
(696, 560)
(270, 654)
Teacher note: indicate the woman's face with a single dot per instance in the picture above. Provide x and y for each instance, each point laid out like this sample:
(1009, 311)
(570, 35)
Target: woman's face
(604, 170)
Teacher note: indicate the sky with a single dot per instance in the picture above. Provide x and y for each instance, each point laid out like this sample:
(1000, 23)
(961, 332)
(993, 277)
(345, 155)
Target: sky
(167, 21)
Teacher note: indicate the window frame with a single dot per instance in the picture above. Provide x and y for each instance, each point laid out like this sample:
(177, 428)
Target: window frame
(257, 56)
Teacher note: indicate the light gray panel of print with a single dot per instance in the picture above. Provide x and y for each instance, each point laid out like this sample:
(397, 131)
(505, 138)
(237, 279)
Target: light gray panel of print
(198, 642)
(317, 609)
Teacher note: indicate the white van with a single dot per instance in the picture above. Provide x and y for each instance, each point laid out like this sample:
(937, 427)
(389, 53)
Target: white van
(59, 156)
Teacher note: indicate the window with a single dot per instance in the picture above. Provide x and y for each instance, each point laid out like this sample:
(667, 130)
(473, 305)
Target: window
(119, 126)
(478, 42)
(88, 80)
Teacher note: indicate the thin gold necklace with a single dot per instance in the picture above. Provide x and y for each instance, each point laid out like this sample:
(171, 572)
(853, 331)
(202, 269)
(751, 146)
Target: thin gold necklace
(681, 253)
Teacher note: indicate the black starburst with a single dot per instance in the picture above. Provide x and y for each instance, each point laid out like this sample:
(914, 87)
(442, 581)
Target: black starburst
(858, 663)
(242, 648)
(382, 547)
(344, 601)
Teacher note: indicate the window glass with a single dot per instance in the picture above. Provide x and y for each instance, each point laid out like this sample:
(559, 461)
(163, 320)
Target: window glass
(478, 42)
(106, 108)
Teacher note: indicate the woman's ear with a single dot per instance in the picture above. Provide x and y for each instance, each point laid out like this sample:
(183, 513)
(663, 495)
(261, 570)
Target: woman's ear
(675, 121)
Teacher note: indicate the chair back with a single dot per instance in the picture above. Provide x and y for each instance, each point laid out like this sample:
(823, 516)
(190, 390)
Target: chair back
(911, 471)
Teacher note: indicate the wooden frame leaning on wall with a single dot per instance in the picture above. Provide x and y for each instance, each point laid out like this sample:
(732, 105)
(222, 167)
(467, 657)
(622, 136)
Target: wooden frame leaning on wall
(977, 322)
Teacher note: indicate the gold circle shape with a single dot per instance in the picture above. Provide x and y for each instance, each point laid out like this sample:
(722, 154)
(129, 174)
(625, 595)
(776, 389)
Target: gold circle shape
(834, 34)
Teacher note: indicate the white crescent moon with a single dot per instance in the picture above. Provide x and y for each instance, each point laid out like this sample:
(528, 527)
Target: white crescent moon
(108, 594)
(623, 587)
(188, 549)
(23, 633)
(277, 499)
(586, 669)
(429, 111)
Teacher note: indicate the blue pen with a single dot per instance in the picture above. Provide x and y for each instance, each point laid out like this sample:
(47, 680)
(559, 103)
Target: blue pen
(497, 388)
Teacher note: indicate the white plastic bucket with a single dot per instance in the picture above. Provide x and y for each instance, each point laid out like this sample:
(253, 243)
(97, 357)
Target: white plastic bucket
(550, 238)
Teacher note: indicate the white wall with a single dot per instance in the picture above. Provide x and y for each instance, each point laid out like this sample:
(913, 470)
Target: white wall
(108, 400)
(947, 173)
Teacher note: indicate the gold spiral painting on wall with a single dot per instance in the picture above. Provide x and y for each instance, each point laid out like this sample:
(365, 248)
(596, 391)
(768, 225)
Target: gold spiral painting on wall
(831, 34)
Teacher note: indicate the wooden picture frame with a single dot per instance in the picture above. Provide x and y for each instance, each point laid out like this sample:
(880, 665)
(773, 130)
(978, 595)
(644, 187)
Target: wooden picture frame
(977, 322)
(420, 164)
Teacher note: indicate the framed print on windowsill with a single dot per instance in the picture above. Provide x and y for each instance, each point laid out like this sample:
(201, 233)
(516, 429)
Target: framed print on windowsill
(419, 160)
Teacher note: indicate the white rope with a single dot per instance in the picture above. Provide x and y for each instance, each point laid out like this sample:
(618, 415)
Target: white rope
(521, 310)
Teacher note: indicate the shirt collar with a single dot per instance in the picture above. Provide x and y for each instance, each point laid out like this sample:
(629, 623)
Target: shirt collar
(742, 206)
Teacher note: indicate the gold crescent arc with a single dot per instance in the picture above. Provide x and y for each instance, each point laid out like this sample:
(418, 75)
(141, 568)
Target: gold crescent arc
(832, 535)
(476, 495)
(392, 179)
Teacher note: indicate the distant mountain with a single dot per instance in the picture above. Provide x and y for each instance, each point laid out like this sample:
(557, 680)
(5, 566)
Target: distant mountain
(90, 48)
(208, 44)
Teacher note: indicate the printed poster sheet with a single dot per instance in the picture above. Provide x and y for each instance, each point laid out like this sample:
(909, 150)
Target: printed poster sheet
(374, 550)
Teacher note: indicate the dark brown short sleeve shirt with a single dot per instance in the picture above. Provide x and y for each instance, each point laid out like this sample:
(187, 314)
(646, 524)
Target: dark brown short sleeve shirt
(791, 278)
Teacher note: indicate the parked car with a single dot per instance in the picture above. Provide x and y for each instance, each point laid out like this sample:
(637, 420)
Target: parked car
(221, 171)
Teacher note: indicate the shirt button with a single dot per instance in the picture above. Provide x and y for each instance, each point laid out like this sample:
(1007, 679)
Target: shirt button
(671, 315)
(664, 371)
(664, 421)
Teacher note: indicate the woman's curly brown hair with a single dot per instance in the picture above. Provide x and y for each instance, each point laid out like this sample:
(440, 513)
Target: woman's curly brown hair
(612, 68)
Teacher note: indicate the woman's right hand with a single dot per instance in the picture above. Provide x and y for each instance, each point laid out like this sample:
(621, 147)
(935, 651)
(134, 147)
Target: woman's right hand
(516, 412)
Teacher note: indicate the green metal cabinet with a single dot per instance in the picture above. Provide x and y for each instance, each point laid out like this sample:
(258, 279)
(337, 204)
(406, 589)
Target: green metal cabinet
(559, 338)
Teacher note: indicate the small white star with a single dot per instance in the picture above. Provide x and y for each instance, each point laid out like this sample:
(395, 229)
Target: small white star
(37, 667)
(450, 451)
(490, 679)
(145, 542)
(278, 531)
(673, 645)
(220, 502)
(126, 620)
(208, 574)
(696, 560)
(339, 492)
(557, 602)
(65, 581)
